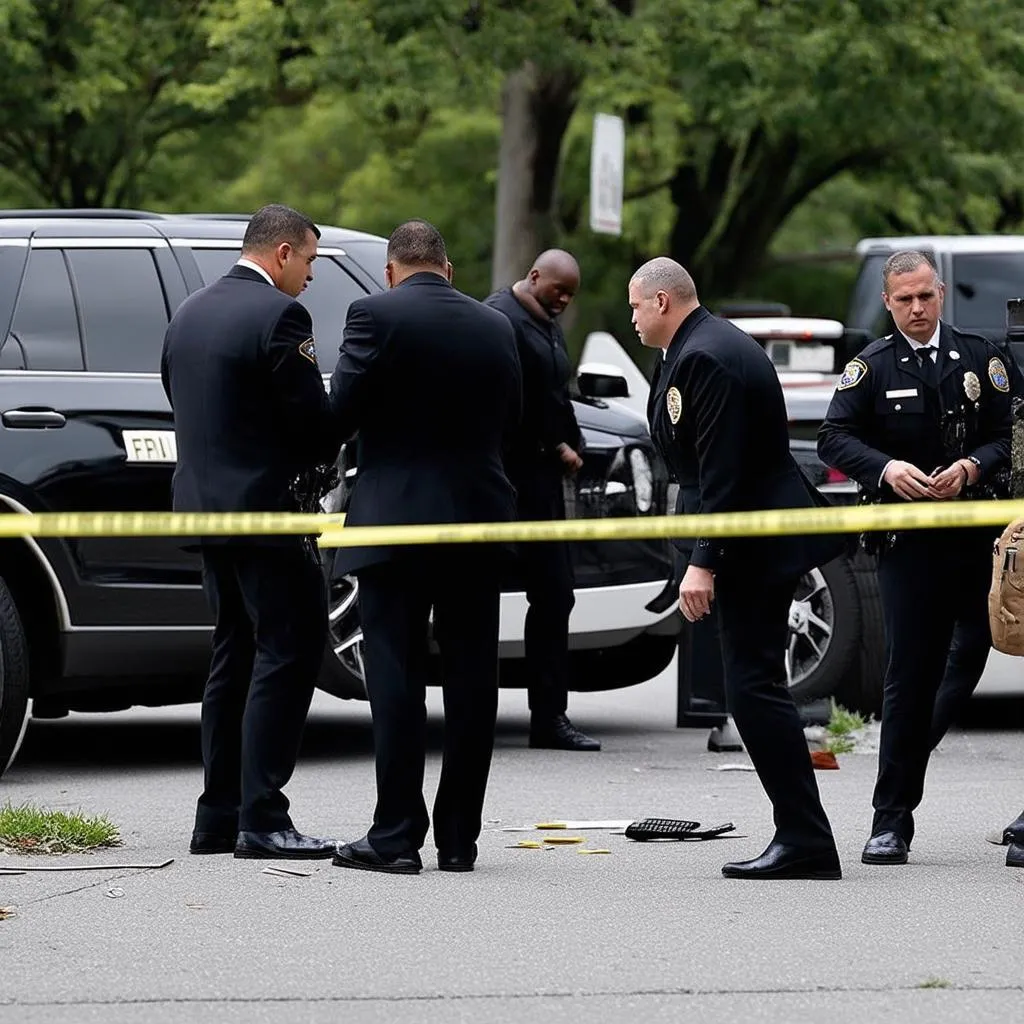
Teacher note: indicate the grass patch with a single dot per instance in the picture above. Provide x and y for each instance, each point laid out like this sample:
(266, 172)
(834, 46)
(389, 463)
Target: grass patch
(841, 723)
(28, 829)
(936, 983)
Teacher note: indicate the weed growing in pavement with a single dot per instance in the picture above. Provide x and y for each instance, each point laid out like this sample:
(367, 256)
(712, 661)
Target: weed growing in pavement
(28, 829)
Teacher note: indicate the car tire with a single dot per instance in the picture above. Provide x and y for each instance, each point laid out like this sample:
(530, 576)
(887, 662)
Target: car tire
(825, 629)
(14, 679)
(861, 691)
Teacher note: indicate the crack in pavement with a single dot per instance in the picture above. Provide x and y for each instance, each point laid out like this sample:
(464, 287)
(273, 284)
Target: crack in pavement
(491, 996)
(81, 888)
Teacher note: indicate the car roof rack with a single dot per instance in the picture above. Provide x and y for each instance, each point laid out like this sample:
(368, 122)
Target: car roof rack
(92, 213)
(732, 309)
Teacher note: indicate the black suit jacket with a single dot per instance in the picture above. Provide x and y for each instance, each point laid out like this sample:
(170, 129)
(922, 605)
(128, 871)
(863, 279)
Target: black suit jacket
(250, 408)
(548, 420)
(431, 381)
(718, 416)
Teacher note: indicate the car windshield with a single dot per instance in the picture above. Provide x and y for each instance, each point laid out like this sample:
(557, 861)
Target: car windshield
(983, 284)
(867, 312)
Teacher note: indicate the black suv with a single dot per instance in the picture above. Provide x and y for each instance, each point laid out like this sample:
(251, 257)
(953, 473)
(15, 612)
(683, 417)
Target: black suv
(102, 624)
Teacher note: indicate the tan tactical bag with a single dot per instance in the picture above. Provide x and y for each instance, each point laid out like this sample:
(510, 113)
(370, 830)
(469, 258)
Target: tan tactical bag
(1006, 595)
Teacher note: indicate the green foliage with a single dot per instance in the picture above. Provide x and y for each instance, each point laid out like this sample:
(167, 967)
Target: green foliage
(92, 90)
(841, 722)
(760, 134)
(30, 829)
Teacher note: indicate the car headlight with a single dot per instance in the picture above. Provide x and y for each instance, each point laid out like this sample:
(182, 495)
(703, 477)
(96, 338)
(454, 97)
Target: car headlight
(643, 479)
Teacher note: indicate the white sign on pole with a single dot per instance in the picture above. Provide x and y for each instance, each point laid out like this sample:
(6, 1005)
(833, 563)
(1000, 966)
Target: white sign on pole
(607, 170)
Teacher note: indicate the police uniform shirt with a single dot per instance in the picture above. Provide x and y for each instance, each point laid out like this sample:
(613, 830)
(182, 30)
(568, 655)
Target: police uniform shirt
(889, 406)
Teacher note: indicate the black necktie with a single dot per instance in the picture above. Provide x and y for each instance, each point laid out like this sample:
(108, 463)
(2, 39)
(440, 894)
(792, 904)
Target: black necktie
(928, 368)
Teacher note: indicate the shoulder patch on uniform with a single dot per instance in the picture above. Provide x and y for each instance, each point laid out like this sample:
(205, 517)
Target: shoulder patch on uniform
(998, 375)
(674, 403)
(853, 374)
(308, 349)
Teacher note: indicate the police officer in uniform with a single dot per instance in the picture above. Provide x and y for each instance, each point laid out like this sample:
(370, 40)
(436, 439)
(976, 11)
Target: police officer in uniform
(922, 414)
(718, 416)
(544, 450)
(250, 415)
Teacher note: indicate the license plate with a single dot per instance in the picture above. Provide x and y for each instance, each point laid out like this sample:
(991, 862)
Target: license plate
(150, 445)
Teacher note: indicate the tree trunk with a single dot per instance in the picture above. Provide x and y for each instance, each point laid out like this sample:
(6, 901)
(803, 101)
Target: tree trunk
(535, 111)
(775, 180)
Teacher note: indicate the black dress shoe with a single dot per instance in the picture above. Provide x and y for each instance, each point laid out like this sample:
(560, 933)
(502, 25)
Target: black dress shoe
(1015, 855)
(1014, 832)
(364, 857)
(782, 861)
(456, 860)
(558, 733)
(287, 844)
(885, 848)
(212, 842)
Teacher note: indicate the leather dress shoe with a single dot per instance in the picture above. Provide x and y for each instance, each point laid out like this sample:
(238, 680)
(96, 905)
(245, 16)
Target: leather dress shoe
(1015, 855)
(288, 844)
(558, 733)
(213, 842)
(783, 861)
(1014, 832)
(885, 848)
(456, 860)
(364, 857)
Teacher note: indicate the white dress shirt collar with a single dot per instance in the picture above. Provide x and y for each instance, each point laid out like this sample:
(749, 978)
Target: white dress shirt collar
(932, 342)
(249, 265)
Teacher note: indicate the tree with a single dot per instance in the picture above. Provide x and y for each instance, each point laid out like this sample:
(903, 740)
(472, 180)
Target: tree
(93, 89)
(773, 100)
(527, 58)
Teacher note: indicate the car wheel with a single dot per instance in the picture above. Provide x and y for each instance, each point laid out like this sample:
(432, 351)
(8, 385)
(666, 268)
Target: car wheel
(824, 629)
(862, 689)
(14, 679)
(343, 672)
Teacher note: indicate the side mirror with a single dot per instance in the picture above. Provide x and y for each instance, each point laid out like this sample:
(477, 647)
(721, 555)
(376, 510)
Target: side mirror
(601, 380)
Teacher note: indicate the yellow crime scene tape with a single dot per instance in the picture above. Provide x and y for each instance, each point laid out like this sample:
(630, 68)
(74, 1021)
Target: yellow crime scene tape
(334, 534)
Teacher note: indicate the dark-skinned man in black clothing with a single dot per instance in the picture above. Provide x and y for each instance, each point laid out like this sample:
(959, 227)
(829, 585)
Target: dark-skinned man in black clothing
(545, 449)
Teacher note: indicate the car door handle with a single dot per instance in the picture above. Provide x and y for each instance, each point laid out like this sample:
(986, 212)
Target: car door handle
(28, 419)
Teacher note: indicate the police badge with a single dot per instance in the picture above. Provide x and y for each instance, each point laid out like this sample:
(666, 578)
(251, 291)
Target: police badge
(852, 374)
(998, 375)
(674, 403)
(972, 386)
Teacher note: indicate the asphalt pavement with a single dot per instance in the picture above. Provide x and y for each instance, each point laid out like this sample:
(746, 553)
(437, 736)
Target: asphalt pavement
(647, 932)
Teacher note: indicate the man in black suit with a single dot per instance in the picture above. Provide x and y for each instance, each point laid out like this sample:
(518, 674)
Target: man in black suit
(546, 448)
(431, 380)
(250, 414)
(718, 416)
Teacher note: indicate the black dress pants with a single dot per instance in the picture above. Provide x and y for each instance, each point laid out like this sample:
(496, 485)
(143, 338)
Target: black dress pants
(968, 656)
(461, 584)
(545, 572)
(753, 622)
(270, 607)
(930, 581)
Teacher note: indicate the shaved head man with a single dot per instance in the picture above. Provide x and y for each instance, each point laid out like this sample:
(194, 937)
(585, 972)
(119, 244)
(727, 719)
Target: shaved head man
(718, 417)
(662, 295)
(552, 282)
(545, 449)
